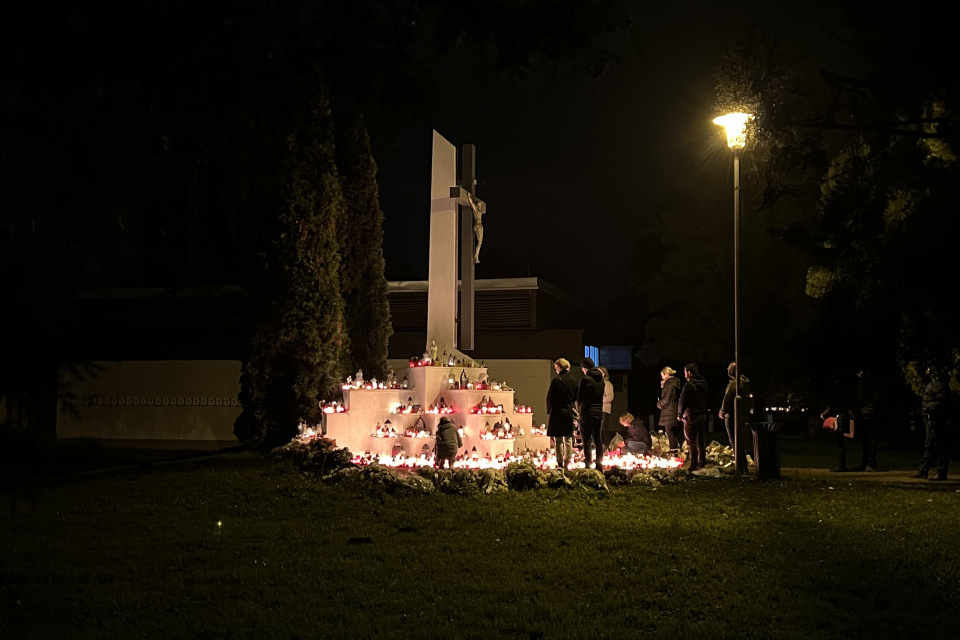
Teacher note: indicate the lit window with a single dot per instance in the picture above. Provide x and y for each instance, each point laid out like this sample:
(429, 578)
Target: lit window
(593, 353)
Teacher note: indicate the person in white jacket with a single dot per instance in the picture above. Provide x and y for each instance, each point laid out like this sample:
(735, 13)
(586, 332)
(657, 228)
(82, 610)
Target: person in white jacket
(607, 429)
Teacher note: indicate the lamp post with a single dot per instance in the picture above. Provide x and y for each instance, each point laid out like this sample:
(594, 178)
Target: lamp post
(735, 125)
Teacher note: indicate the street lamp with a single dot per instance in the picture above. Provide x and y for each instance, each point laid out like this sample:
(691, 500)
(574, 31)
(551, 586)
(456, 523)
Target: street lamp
(735, 125)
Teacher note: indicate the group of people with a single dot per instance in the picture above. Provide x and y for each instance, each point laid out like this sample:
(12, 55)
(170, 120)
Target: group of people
(588, 402)
(683, 410)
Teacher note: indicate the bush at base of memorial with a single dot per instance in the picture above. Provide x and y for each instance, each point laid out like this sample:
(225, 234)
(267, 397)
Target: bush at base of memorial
(524, 476)
(318, 456)
(657, 477)
(492, 481)
(590, 478)
(461, 482)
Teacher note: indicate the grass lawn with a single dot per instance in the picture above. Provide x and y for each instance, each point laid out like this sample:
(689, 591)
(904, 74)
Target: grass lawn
(140, 554)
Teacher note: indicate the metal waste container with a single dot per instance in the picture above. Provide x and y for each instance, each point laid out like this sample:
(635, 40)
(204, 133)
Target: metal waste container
(766, 448)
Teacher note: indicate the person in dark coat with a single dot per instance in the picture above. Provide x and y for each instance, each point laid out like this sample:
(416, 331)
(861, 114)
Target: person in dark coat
(637, 440)
(863, 416)
(448, 442)
(589, 404)
(560, 398)
(936, 406)
(726, 412)
(669, 395)
(692, 411)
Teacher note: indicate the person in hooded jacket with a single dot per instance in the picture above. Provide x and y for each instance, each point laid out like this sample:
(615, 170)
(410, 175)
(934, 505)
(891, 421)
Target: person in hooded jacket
(726, 412)
(669, 395)
(560, 399)
(589, 404)
(448, 442)
(692, 411)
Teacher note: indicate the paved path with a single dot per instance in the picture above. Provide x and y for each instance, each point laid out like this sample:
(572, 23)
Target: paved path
(883, 477)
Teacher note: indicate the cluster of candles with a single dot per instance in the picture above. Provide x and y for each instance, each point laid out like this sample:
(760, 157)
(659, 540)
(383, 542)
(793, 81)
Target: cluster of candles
(373, 384)
(384, 431)
(486, 406)
(545, 459)
(332, 407)
(498, 432)
(442, 361)
(520, 408)
(538, 431)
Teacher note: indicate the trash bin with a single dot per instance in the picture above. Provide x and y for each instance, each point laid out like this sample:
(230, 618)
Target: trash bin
(766, 448)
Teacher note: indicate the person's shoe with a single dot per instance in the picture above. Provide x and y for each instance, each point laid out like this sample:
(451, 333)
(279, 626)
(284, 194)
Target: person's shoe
(919, 474)
(839, 470)
(871, 469)
(938, 478)
(862, 467)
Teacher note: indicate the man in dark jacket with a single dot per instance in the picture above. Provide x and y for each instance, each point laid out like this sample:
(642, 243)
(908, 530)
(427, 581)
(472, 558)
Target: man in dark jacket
(589, 404)
(692, 411)
(727, 415)
(669, 395)
(560, 398)
(448, 442)
(936, 405)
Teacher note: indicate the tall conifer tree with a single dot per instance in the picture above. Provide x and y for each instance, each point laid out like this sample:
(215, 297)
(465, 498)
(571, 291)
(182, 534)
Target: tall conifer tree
(364, 287)
(298, 351)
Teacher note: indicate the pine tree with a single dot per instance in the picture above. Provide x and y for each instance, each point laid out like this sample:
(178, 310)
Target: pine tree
(298, 351)
(364, 287)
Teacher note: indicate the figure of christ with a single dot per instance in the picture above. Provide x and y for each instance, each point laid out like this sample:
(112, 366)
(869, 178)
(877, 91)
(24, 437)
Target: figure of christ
(477, 226)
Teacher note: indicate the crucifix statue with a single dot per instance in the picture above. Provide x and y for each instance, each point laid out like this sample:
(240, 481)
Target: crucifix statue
(454, 204)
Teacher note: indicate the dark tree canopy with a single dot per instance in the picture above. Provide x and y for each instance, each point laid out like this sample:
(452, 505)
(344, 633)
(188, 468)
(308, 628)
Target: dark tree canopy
(866, 164)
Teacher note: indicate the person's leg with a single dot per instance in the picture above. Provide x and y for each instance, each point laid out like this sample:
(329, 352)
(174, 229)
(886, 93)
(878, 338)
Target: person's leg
(941, 447)
(606, 430)
(926, 461)
(598, 463)
(702, 440)
(637, 448)
(586, 435)
(564, 451)
(871, 443)
(840, 441)
(690, 435)
(728, 425)
(671, 430)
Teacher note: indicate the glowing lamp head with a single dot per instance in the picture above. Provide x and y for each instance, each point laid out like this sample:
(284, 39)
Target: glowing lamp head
(735, 124)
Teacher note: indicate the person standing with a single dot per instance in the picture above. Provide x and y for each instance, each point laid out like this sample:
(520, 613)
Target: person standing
(727, 414)
(936, 405)
(692, 411)
(560, 398)
(607, 429)
(589, 404)
(838, 408)
(669, 395)
(863, 414)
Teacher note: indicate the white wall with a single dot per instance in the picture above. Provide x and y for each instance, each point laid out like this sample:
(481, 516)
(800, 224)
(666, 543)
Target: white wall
(183, 400)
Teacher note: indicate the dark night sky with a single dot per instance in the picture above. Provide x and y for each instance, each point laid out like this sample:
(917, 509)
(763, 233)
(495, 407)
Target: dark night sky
(572, 174)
